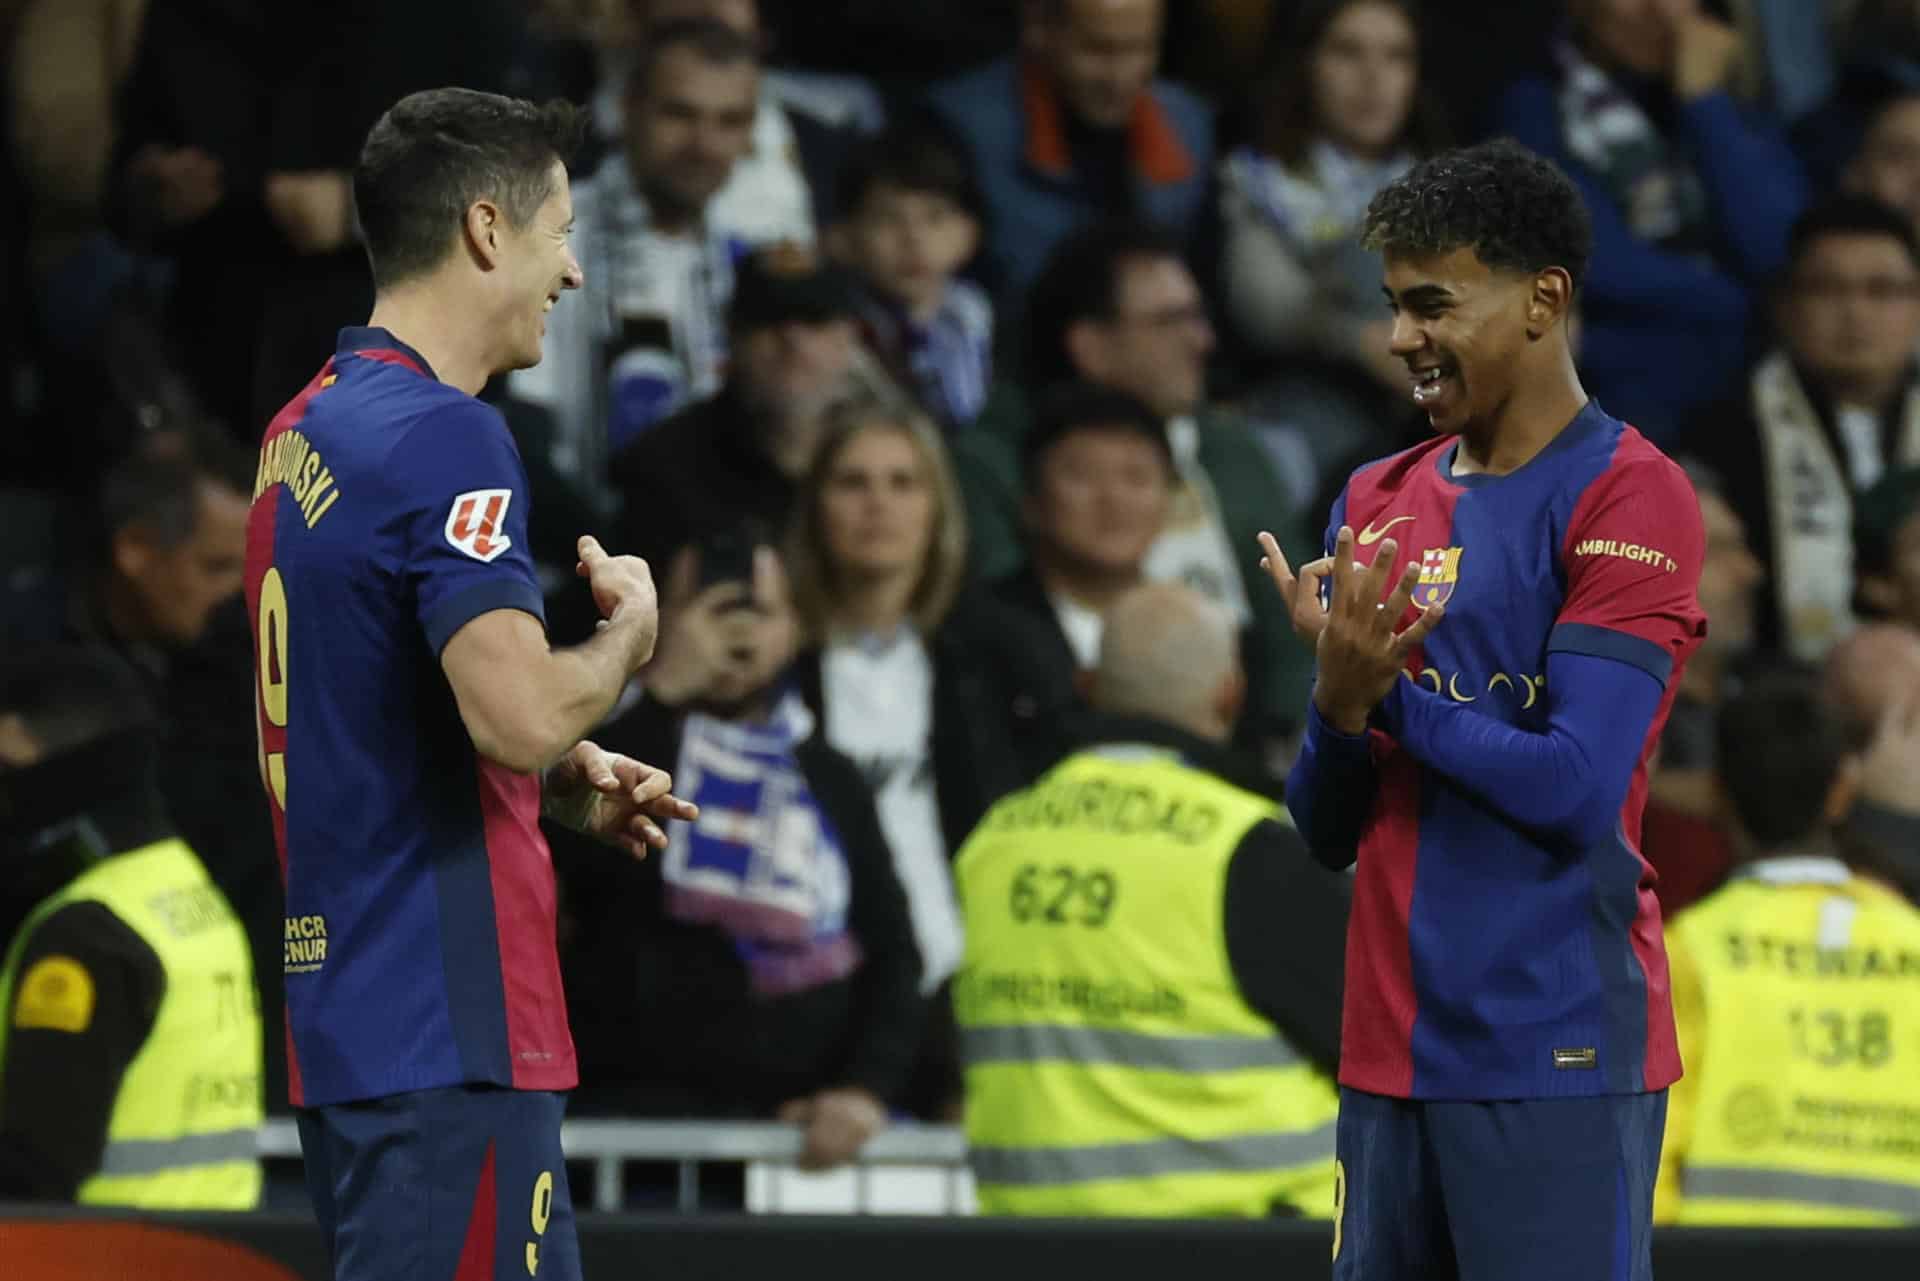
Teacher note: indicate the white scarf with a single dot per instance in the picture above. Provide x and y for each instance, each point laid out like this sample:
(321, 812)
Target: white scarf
(1810, 499)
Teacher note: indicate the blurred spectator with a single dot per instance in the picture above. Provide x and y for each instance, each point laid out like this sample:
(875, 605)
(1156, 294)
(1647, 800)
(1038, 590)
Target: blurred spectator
(1076, 128)
(936, 696)
(156, 582)
(1872, 680)
(236, 133)
(1789, 1104)
(1825, 414)
(648, 334)
(1341, 116)
(1681, 834)
(69, 60)
(783, 184)
(1151, 953)
(1099, 486)
(1886, 548)
(130, 1052)
(1887, 164)
(1691, 198)
(897, 45)
(910, 221)
(765, 962)
(1117, 306)
(738, 455)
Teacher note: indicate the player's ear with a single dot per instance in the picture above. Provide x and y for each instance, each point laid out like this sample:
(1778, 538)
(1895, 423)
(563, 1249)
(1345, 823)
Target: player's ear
(1550, 302)
(483, 227)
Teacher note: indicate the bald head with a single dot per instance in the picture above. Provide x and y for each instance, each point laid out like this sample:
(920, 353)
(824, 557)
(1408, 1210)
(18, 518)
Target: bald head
(1169, 654)
(1873, 668)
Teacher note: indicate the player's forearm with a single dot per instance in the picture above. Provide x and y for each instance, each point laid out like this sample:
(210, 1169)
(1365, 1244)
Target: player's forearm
(583, 681)
(1330, 791)
(1567, 781)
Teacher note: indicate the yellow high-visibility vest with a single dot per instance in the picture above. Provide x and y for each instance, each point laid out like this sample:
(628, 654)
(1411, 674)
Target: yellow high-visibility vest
(1112, 1065)
(183, 1134)
(1797, 1000)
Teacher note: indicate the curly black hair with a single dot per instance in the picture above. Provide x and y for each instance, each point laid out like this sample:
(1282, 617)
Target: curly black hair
(1513, 208)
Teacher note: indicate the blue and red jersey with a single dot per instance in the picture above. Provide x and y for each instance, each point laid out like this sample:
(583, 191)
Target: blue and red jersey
(1505, 941)
(389, 510)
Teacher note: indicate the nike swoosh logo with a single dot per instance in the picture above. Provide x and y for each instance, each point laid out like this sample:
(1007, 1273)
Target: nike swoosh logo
(1369, 536)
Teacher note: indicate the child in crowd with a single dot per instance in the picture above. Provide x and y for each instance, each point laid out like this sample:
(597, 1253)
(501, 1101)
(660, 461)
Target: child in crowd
(909, 222)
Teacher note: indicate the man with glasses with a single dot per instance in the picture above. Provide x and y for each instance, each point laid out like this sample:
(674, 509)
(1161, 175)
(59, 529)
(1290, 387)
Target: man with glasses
(1116, 306)
(1824, 415)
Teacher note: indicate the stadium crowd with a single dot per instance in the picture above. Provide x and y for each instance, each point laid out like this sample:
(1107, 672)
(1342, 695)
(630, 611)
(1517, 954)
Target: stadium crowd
(923, 346)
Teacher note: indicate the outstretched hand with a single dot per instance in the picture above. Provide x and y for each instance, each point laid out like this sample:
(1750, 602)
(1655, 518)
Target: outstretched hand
(615, 798)
(1359, 653)
(1300, 594)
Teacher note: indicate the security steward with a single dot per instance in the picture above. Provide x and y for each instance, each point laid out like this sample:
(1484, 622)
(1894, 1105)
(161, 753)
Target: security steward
(1149, 1004)
(1796, 993)
(130, 1042)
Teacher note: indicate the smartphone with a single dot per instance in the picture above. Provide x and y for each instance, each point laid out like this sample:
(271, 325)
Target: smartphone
(727, 557)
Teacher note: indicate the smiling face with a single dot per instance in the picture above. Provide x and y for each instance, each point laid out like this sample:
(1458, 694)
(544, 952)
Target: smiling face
(1463, 328)
(539, 267)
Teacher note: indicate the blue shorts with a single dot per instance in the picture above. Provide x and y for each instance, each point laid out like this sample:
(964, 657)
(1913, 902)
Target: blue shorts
(459, 1184)
(1518, 1189)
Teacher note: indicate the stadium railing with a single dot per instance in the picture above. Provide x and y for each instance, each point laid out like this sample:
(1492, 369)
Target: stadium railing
(905, 1169)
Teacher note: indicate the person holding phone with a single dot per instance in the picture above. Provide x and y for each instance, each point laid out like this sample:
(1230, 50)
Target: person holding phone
(765, 964)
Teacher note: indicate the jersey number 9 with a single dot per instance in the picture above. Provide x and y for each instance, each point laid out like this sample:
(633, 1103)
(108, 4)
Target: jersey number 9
(271, 646)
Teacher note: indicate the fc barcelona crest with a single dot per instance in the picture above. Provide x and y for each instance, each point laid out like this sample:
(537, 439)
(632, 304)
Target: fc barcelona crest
(1439, 571)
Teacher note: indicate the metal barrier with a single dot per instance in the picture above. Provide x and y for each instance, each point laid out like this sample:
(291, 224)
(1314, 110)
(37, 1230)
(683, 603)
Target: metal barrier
(607, 1145)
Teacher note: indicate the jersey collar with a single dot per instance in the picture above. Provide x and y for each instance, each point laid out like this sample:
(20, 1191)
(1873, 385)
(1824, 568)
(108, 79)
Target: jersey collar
(380, 344)
(1797, 869)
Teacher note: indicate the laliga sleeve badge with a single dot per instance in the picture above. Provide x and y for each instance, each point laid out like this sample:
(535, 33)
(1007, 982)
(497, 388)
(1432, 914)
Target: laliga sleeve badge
(477, 523)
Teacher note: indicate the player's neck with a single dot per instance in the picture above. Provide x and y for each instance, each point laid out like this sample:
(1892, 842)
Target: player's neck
(1540, 407)
(440, 328)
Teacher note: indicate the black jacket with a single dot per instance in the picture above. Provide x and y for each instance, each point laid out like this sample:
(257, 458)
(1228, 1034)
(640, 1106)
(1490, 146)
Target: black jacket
(58, 1087)
(1003, 707)
(663, 1017)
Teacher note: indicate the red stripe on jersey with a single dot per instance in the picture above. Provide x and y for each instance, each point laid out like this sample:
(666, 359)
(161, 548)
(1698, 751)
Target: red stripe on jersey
(1660, 1064)
(524, 910)
(390, 356)
(268, 659)
(1377, 1028)
(477, 1251)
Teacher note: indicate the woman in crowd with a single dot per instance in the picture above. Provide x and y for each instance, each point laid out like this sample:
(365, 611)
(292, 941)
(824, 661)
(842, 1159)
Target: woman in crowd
(1342, 115)
(941, 701)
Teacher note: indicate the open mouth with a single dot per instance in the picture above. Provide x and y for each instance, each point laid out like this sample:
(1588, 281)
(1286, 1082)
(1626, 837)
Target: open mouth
(1431, 382)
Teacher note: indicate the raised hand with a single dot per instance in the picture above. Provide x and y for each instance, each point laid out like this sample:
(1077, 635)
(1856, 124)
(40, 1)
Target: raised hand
(1301, 593)
(622, 589)
(1360, 654)
(615, 798)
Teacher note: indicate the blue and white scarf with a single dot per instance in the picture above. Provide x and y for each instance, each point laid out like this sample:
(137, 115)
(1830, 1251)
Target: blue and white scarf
(1652, 181)
(762, 862)
(1322, 203)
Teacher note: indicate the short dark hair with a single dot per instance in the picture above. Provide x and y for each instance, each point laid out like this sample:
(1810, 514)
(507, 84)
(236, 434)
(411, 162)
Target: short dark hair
(1081, 281)
(72, 695)
(1283, 110)
(920, 156)
(1070, 407)
(1849, 215)
(436, 152)
(155, 485)
(712, 40)
(1780, 750)
(1514, 209)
